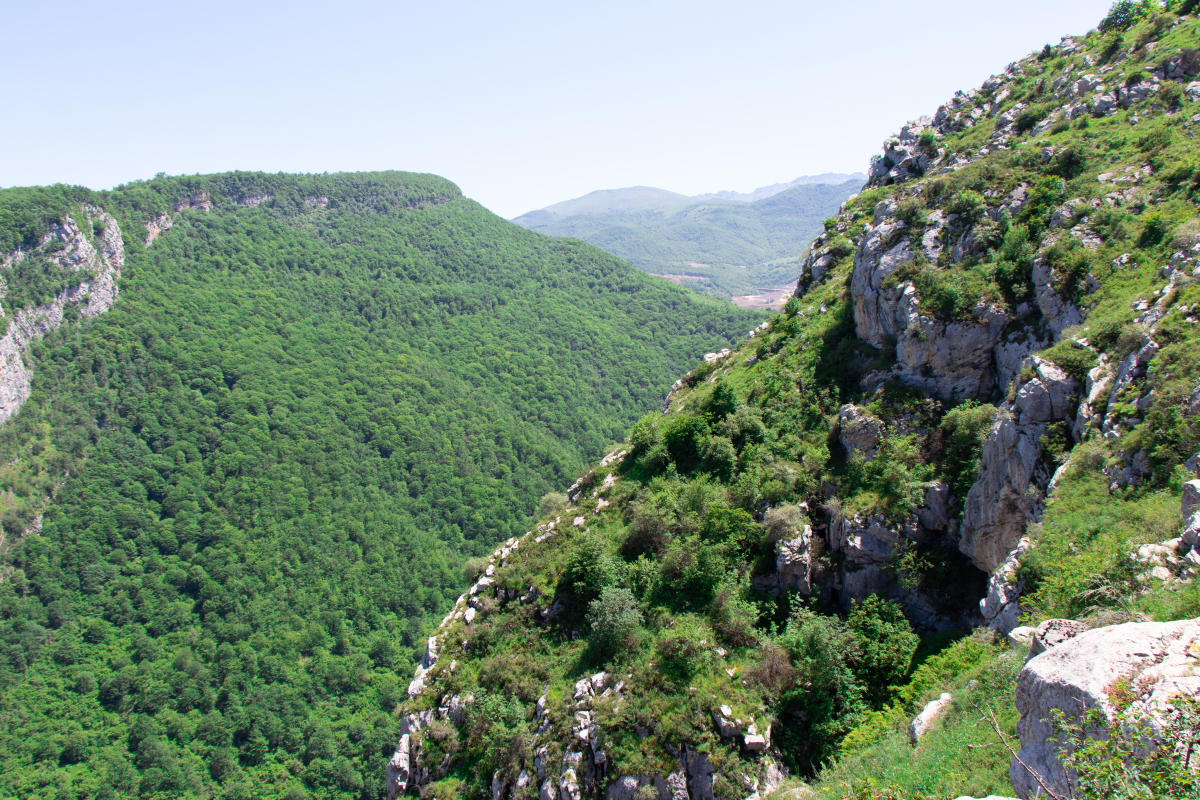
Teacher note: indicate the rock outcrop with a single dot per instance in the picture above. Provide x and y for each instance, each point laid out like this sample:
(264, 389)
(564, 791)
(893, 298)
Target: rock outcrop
(1155, 660)
(68, 248)
(950, 360)
(1008, 493)
(858, 432)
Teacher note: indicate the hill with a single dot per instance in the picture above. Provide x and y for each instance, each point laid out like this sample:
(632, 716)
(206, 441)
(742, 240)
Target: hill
(238, 491)
(953, 485)
(720, 247)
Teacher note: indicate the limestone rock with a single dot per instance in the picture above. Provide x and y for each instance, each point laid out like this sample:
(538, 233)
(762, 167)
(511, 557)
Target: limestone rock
(858, 431)
(950, 360)
(1021, 636)
(793, 562)
(1190, 502)
(924, 721)
(549, 791)
(933, 514)
(1052, 633)
(399, 769)
(998, 506)
(568, 786)
(1159, 659)
(1000, 607)
(76, 250)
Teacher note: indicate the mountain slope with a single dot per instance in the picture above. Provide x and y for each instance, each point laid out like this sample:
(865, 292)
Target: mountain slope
(981, 409)
(313, 398)
(721, 247)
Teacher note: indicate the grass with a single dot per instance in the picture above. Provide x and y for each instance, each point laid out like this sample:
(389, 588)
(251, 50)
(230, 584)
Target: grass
(960, 755)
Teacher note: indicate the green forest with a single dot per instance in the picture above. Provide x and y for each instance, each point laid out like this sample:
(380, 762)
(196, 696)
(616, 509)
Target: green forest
(270, 459)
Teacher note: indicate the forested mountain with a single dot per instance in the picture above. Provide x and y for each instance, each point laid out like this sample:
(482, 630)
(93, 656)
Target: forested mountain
(236, 500)
(721, 247)
(941, 511)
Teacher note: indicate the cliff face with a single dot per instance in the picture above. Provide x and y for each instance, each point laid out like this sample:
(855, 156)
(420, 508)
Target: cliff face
(1016, 279)
(95, 250)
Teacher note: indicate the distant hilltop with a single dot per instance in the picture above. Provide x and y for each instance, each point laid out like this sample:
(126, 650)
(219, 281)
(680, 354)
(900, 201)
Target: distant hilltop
(608, 201)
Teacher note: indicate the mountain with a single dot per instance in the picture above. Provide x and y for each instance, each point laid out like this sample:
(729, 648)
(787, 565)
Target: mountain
(255, 426)
(720, 247)
(941, 509)
(764, 192)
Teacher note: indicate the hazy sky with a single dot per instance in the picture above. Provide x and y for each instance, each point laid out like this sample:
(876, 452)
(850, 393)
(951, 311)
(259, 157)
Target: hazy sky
(521, 103)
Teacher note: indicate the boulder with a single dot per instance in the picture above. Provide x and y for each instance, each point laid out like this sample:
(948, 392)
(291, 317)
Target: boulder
(1157, 659)
(549, 790)
(924, 721)
(1021, 636)
(1191, 532)
(568, 786)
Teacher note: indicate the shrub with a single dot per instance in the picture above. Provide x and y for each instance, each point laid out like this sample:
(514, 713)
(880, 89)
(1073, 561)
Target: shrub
(552, 504)
(1155, 140)
(969, 205)
(1134, 759)
(683, 436)
(1170, 94)
(1123, 15)
(928, 142)
(784, 522)
(589, 570)
(888, 645)
(964, 430)
(1030, 117)
(678, 650)
(613, 619)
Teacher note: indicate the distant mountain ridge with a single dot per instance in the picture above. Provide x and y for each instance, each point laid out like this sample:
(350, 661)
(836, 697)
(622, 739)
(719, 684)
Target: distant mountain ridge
(763, 192)
(721, 246)
(605, 201)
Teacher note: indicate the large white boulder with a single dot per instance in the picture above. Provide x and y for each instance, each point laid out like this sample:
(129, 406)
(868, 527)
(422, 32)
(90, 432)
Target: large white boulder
(1159, 660)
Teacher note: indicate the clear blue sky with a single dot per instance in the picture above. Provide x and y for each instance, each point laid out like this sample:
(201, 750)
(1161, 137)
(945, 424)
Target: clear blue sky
(521, 103)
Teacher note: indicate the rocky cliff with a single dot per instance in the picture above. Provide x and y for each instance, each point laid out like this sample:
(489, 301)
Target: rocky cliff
(988, 346)
(93, 250)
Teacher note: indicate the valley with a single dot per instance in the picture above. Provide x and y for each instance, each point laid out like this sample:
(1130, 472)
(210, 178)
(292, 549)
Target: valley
(885, 487)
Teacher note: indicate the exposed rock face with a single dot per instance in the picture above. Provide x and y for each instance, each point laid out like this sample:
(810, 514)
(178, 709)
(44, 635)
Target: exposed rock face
(1158, 659)
(793, 562)
(858, 431)
(1000, 608)
(1000, 503)
(1058, 312)
(948, 360)
(101, 256)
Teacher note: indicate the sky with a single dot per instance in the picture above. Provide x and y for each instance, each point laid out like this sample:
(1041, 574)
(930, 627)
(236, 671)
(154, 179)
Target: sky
(522, 104)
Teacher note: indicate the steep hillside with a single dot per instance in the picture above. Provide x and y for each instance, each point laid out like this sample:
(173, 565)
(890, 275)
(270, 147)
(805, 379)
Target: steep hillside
(720, 247)
(234, 501)
(981, 409)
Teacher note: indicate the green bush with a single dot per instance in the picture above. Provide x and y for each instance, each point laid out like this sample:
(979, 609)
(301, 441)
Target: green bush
(1117, 766)
(613, 619)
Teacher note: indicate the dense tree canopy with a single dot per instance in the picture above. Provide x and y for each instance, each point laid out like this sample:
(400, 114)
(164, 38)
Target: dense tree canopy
(310, 404)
